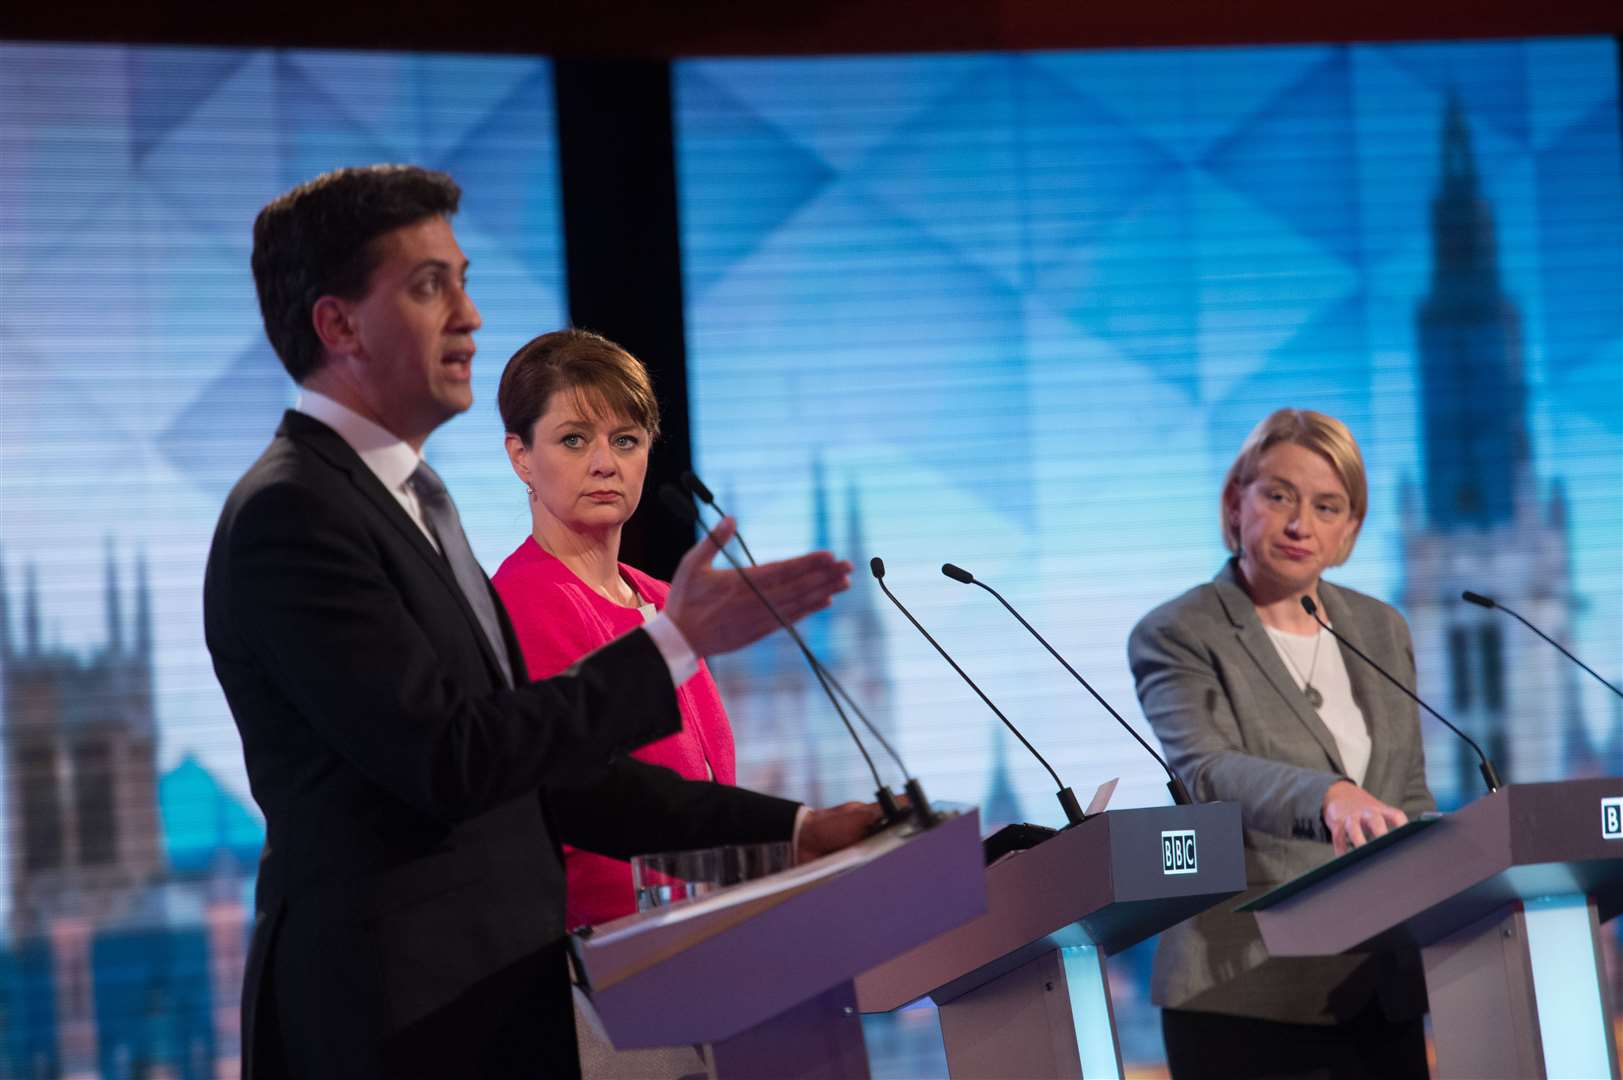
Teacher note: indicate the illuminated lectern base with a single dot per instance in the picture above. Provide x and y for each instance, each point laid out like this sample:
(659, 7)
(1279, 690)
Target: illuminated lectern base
(1021, 990)
(1504, 899)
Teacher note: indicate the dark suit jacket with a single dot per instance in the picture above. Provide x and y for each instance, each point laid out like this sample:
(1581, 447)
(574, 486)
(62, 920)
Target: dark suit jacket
(410, 899)
(1236, 727)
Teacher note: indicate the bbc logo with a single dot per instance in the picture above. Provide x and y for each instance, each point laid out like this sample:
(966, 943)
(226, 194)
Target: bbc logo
(1611, 818)
(1178, 852)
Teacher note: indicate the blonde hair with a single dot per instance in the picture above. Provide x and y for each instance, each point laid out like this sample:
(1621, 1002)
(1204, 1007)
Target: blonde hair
(1325, 436)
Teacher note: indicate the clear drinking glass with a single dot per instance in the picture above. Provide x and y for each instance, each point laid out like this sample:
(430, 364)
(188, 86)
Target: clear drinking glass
(746, 862)
(669, 876)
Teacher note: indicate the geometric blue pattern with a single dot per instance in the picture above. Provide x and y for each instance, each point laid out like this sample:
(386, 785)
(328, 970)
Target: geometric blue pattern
(248, 394)
(166, 86)
(1293, 158)
(783, 176)
(1091, 168)
(1029, 304)
(1583, 352)
(512, 199)
(138, 383)
(1490, 79)
(1023, 308)
(1017, 308)
(314, 126)
(1324, 365)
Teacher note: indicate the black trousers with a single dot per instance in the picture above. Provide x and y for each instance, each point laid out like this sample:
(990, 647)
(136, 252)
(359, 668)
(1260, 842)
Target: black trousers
(518, 1024)
(1211, 1046)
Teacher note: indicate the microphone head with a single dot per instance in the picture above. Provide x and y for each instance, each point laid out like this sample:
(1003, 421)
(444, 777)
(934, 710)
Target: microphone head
(1309, 606)
(877, 565)
(1478, 599)
(678, 503)
(696, 488)
(958, 573)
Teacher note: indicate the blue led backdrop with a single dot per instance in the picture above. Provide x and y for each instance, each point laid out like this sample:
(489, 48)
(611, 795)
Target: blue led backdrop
(136, 386)
(1014, 312)
(1018, 313)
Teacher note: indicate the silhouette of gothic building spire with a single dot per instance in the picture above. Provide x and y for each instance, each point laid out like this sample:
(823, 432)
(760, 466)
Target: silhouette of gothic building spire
(112, 604)
(817, 629)
(31, 637)
(865, 658)
(1001, 806)
(80, 751)
(1480, 525)
(862, 604)
(788, 738)
(143, 612)
(5, 613)
(91, 894)
(1471, 374)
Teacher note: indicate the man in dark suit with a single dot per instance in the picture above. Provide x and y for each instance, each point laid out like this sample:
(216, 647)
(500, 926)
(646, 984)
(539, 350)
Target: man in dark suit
(415, 784)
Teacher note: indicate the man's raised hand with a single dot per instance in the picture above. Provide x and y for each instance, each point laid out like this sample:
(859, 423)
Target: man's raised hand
(717, 612)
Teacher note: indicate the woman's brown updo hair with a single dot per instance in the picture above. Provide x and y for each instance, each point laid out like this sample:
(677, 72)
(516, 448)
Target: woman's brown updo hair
(604, 377)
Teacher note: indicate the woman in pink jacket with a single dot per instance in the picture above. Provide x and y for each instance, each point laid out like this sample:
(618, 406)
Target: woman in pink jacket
(580, 417)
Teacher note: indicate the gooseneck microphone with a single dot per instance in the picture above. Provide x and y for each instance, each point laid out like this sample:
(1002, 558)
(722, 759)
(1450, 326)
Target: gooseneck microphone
(1489, 602)
(1067, 797)
(684, 509)
(1486, 767)
(698, 490)
(1180, 794)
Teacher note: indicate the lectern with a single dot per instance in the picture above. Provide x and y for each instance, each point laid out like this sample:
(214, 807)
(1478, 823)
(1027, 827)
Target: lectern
(1022, 989)
(762, 971)
(1504, 898)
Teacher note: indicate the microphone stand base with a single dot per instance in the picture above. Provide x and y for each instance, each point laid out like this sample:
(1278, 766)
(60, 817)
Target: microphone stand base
(920, 803)
(1072, 807)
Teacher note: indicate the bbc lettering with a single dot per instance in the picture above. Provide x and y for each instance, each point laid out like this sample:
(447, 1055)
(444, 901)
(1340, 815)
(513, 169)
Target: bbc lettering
(1178, 852)
(1611, 818)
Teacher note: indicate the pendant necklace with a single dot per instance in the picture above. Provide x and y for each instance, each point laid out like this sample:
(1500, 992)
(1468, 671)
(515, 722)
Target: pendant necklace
(1311, 692)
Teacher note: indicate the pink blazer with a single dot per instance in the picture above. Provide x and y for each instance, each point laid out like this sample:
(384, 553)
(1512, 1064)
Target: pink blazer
(559, 619)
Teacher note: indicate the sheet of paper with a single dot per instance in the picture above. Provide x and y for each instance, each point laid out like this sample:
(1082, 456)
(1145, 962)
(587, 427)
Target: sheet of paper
(1101, 798)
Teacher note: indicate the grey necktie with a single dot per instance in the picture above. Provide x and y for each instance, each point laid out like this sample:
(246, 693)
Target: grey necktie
(440, 514)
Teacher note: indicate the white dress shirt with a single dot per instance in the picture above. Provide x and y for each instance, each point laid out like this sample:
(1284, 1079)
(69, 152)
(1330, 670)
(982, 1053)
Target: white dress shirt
(1339, 712)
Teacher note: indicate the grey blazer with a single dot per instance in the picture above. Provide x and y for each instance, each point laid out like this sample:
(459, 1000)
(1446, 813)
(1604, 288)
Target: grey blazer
(1236, 728)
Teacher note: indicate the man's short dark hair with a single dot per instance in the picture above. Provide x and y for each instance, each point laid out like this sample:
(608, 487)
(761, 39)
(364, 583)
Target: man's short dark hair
(320, 239)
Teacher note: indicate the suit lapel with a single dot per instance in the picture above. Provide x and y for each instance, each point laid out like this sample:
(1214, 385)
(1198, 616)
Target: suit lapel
(1254, 639)
(330, 445)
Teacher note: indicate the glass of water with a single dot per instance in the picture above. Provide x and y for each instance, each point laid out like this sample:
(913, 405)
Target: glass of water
(669, 876)
(746, 862)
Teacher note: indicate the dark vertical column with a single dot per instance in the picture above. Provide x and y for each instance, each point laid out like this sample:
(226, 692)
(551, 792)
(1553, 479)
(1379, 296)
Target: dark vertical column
(617, 162)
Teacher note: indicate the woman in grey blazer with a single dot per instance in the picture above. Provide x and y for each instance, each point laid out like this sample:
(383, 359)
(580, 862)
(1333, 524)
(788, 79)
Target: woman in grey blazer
(1255, 704)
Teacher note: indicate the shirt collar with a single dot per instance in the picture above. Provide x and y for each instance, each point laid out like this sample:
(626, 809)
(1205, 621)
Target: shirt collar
(391, 459)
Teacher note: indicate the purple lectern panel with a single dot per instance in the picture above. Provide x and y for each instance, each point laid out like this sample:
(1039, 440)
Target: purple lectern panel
(711, 969)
